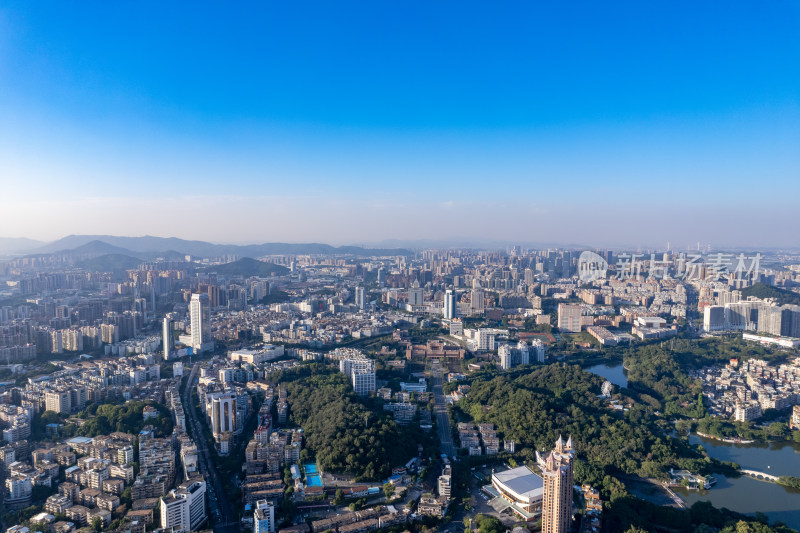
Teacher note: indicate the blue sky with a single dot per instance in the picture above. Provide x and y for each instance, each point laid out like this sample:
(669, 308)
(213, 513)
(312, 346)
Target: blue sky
(344, 122)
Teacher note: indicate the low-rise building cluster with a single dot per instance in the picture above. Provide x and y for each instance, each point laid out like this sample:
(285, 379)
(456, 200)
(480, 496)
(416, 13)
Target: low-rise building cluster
(742, 391)
(480, 440)
(69, 390)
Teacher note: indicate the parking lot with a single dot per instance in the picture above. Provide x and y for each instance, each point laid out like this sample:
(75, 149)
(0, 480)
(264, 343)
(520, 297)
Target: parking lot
(480, 503)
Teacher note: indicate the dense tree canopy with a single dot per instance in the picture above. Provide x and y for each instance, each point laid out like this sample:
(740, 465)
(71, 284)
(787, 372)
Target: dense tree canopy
(488, 524)
(341, 430)
(102, 419)
(627, 513)
(534, 406)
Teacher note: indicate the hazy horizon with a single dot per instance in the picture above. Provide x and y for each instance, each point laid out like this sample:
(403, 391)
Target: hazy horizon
(35, 246)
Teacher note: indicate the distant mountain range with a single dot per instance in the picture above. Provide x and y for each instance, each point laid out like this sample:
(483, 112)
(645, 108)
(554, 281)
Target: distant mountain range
(149, 247)
(17, 245)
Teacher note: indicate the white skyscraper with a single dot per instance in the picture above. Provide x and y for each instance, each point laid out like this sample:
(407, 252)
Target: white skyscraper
(200, 315)
(168, 335)
(449, 303)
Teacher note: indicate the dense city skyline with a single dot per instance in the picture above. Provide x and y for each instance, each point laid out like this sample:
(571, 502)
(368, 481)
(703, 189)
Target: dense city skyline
(664, 123)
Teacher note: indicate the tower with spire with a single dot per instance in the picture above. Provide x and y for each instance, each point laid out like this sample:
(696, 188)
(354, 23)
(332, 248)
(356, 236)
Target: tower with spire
(557, 474)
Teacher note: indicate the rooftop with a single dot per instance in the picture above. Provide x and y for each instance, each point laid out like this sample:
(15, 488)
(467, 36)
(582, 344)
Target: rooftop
(520, 482)
(80, 440)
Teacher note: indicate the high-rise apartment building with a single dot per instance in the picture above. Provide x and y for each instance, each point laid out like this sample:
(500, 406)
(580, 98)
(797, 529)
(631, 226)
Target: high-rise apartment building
(529, 277)
(58, 401)
(569, 318)
(511, 356)
(172, 512)
(361, 373)
(19, 490)
(558, 482)
(264, 518)
(415, 294)
(363, 381)
(72, 340)
(200, 315)
(486, 339)
(753, 315)
(478, 301)
(109, 333)
(714, 318)
(361, 298)
(537, 352)
(184, 508)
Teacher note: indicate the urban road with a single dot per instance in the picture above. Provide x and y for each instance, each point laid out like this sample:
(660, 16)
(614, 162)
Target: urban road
(219, 505)
(442, 416)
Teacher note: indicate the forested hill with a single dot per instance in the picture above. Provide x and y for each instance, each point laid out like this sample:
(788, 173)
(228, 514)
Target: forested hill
(760, 290)
(110, 263)
(345, 434)
(247, 267)
(534, 407)
(102, 419)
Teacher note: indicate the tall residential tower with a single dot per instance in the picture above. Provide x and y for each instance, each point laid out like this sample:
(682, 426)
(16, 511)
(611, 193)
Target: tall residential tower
(557, 500)
(200, 314)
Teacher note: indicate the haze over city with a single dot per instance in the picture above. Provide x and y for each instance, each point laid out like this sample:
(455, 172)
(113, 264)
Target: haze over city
(638, 125)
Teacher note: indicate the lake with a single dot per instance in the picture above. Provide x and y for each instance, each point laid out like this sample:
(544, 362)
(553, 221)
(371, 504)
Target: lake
(742, 494)
(613, 372)
(748, 495)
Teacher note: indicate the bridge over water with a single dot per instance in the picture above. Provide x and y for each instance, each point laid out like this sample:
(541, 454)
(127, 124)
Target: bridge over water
(760, 475)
